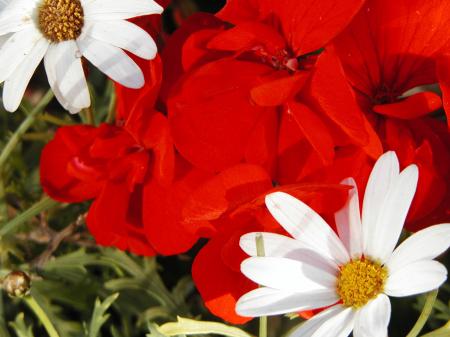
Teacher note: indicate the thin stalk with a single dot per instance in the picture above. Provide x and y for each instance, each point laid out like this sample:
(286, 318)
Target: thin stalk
(26, 124)
(43, 318)
(3, 207)
(260, 251)
(54, 120)
(42, 205)
(426, 312)
(112, 103)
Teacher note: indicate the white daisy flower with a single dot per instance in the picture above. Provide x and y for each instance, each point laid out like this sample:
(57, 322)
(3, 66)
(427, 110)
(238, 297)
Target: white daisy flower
(354, 273)
(61, 32)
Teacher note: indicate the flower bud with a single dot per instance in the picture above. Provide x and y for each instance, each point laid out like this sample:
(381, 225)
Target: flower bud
(17, 284)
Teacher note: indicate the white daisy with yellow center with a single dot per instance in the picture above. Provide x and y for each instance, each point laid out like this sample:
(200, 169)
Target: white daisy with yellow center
(353, 273)
(61, 32)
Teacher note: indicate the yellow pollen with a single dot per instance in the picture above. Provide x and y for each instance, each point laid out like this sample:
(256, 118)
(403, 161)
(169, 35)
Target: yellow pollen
(61, 20)
(359, 281)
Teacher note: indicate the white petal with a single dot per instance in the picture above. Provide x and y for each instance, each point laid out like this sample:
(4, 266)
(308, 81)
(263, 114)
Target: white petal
(267, 301)
(372, 320)
(125, 35)
(15, 85)
(287, 274)
(112, 61)
(305, 225)
(66, 76)
(415, 278)
(336, 321)
(383, 175)
(119, 9)
(16, 15)
(348, 221)
(393, 214)
(276, 245)
(15, 50)
(423, 245)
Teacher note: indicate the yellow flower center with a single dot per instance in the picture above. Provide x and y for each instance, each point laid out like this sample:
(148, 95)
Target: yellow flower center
(359, 281)
(61, 20)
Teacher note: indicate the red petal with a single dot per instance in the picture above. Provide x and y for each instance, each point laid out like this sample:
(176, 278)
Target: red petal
(69, 143)
(331, 93)
(278, 90)
(172, 52)
(114, 219)
(133, 103)
(211, 113)
(238, 11)
(219, 285)
(262, 145)
(249, 35)
(414, 106)
(391, 44)
(162, 213)
(314, 130)
(225, 191)
(310, 24)
(443, 72)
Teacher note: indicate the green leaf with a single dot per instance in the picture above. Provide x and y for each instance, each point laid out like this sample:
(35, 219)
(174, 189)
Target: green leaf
(186, 326)
(20, 328)
(154, 332)
(42, 205)
(441, 332)
(99, 316)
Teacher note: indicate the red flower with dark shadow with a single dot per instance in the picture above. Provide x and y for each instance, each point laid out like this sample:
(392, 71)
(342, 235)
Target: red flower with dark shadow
(255, 91)
(132, 173)
(390, 53)
(229, 205)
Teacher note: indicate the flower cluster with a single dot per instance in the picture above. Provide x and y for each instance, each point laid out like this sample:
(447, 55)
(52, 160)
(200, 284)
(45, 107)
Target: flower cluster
(262, 102)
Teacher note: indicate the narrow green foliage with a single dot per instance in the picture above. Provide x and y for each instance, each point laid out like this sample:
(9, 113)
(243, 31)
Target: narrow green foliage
(99, 316)
(20, 327)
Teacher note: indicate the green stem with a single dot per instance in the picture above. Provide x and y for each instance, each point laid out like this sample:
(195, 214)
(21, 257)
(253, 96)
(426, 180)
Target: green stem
(26, 124)
(260, 251)
(426, 311)
(3, 207)
(42, 205)
(112, 103)
(54, 120)
(40, 313)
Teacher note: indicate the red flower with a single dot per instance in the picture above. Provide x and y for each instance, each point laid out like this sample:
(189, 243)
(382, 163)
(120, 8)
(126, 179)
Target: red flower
(390, 48)
(132, 173)
(231, 204)
(227, 108)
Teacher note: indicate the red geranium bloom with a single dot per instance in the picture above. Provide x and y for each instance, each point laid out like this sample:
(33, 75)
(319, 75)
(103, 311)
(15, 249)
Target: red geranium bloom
(229, 205)
(131, 171)
(390, 48)
(254, 92)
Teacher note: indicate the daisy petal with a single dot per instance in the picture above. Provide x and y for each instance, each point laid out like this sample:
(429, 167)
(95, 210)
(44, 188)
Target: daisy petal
(336, 321)
(393, 214)
(276, 245)
(123, 34)
(415, 278)
(382, 177)
(15, 50)
(112, 61)
(268, 301)
(422, 245)
(305, 225)
(287, 274)
(66, 76)
(16, 15)
(348, 221)
(372, 320)
(15, 85)
(119, 9)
